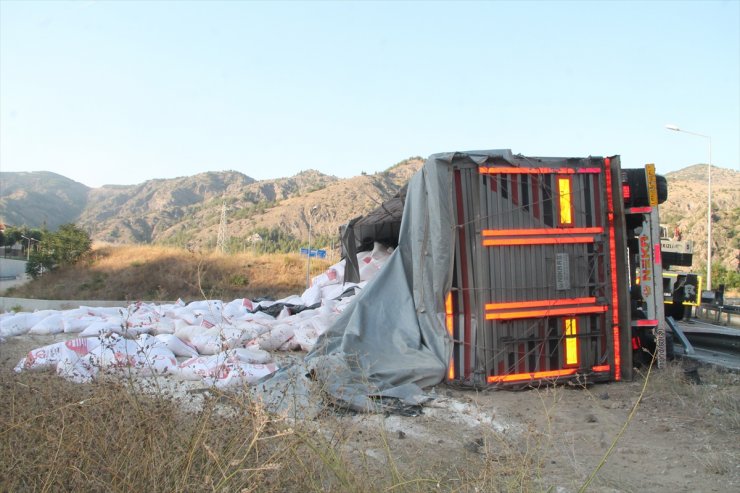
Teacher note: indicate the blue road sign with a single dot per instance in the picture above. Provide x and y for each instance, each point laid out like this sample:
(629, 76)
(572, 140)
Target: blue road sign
(314, 253)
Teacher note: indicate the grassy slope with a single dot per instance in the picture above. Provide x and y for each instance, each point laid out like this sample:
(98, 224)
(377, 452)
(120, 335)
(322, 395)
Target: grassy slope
(164, 274)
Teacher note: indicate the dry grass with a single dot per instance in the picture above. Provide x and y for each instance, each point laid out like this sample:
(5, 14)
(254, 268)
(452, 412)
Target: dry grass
(59, 436)
(56, 436)
(717, 397)
(142, 272)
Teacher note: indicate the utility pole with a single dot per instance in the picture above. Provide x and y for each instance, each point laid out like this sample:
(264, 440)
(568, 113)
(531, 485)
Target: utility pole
(308, 263)
(222, 238)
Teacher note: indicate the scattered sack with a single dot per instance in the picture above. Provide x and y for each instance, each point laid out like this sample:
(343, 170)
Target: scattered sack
(226, 343)
(74, 324)
(276, 337)
(103, 327)
(21, 323)
(177, 345)
(238, 374)
(47, 357)
(53, 324)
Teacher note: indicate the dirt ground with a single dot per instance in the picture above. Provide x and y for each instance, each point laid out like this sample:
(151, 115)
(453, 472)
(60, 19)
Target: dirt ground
(683, 436)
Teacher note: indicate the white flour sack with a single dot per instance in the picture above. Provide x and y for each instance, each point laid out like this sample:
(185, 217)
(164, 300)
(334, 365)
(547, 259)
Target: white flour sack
(47, 357)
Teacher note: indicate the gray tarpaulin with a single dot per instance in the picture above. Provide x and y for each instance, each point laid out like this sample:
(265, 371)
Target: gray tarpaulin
(392, 340)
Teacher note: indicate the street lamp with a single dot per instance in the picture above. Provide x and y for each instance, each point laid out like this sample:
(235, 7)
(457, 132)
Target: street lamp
(28, 250)
(709, 201)
(308, 263)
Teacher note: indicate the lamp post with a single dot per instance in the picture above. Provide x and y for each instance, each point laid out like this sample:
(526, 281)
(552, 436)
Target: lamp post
(308, 262)
(28, 250)
(709, 201)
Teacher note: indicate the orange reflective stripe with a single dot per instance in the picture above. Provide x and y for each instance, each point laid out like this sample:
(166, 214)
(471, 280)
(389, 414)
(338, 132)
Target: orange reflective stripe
(531, 376)
(539, 303)
(601, 368)
(546, 313)
(541, 231)
(537, 241)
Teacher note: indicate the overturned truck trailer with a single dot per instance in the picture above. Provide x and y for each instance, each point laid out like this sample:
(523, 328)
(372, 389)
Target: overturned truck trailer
(510, 271)
(539, 284)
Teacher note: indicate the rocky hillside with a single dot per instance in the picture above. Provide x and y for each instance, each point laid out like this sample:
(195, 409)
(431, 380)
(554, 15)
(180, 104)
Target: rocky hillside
(286, 204)
(186, 211)
(40, 198)
(686, 208)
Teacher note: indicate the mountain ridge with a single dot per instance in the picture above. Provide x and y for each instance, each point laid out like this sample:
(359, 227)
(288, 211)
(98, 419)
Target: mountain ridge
(186, 211)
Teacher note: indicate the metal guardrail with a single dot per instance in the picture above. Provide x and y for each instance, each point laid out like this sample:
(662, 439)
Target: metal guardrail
(728, 315)
(731, 309)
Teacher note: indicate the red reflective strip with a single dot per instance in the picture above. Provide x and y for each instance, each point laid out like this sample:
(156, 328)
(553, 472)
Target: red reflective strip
(514, 190)
(656, 254)
(626, 192)
(491, 170)
(536, 241)
(539, 303)
(647, 323)
(546, 313)
(613, 261)
(540, 231)
(450, 322)
(601, 368)
(531, 376)
(635, 343)
(639, 210)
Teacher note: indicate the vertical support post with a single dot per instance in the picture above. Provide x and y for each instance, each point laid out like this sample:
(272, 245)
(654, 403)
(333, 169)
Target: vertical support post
(655, 304)
(308, 261)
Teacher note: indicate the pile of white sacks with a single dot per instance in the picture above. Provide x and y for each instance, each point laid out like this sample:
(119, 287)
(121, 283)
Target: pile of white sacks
(221, 344)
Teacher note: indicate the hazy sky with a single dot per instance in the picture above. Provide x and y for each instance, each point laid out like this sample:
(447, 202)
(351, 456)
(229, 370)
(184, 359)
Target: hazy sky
(121, 92)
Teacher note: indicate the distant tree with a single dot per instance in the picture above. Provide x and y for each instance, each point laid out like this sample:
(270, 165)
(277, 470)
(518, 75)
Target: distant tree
(15, 234)
(70, 243)
(723, 275)
(275, 240)
(64, 247)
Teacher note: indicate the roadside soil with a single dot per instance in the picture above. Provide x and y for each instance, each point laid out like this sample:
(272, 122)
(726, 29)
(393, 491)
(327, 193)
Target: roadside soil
(683, 436)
